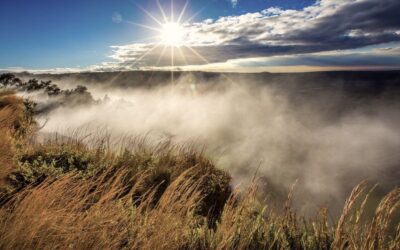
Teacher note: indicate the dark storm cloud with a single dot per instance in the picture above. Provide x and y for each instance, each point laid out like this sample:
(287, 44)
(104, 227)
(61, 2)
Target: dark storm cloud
(376, 58)
(357, 24)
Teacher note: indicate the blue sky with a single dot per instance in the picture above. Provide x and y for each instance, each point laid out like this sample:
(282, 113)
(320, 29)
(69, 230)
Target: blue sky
(46, 34)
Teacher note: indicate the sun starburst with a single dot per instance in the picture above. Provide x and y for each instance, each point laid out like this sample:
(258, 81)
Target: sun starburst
(171, 34)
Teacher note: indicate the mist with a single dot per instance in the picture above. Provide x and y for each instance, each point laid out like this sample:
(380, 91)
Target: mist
(323, 138)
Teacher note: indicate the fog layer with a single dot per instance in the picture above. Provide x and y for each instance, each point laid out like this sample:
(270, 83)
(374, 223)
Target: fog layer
(328, 140)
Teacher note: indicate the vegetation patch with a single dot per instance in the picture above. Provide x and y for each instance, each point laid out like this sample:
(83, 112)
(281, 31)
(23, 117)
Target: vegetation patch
(64, 194)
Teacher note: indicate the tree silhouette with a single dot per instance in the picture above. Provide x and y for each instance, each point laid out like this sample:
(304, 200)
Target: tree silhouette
(7, 79)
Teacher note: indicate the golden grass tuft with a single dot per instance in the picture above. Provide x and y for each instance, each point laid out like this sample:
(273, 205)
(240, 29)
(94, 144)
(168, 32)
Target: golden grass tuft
(11, 111)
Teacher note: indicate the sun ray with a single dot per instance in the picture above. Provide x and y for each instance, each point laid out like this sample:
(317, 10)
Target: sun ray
(150, 38)
(206, 61)
(182, 55)
(147, 52)
(197, 54)
(137, 59)
(172, 67)
(161, 55)
(143, 26)
(172, 12)
(162, 11)
(150, 15)
(158, 62)
(182, 12)
(193, 16)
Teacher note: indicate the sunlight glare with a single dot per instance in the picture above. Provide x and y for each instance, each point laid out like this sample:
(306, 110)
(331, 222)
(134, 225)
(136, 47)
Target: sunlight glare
(172, 34)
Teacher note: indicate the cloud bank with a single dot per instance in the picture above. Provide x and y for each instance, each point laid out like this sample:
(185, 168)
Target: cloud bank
(327, 25)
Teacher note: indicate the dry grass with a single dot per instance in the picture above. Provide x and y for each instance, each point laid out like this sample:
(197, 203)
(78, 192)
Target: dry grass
(89, 214)
(11, 117)
(69, 195)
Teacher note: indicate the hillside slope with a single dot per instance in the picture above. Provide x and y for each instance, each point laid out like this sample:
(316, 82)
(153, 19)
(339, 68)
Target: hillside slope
(64, 193)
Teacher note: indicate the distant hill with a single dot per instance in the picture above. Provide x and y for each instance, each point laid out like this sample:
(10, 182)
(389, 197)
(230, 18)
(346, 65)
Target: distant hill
(353, 82)
(152, 78)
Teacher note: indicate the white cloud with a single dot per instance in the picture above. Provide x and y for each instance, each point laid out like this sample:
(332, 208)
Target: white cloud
(369, 58)
(234, 3)
(325, 26)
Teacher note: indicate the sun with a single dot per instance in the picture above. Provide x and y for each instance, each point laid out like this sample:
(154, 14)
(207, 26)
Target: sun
(172, 34)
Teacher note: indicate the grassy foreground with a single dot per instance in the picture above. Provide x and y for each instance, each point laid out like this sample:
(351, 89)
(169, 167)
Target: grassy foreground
(63, 193)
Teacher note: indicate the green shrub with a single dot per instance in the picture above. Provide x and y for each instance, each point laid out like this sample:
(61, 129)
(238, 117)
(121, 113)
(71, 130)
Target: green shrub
(34, 165)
